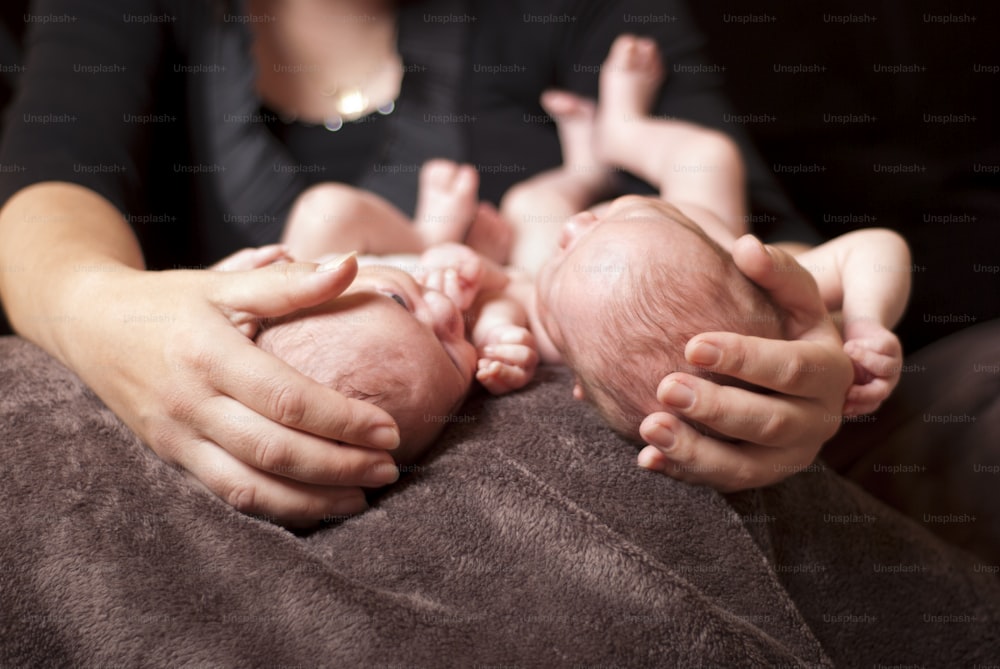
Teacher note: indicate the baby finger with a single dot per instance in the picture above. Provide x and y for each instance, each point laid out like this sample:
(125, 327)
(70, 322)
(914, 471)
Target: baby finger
(512, 354)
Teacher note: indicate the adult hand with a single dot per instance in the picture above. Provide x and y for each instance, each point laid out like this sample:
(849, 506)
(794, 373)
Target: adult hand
(172, 354)
(773, 435)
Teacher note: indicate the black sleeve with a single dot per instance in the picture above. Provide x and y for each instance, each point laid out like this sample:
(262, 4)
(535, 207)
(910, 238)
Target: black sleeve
(87, 82)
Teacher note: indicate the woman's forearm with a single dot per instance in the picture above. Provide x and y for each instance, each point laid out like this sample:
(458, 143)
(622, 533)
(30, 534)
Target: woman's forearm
(171, 354)
(56, 240)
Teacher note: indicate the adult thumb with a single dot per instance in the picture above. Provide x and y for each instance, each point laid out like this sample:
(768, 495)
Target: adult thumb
(278, 290)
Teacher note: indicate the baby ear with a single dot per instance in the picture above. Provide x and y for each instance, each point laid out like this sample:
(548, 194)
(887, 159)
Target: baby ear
(578, 393)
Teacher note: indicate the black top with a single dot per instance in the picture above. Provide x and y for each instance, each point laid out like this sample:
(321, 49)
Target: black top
(316, 144)
(151, 104)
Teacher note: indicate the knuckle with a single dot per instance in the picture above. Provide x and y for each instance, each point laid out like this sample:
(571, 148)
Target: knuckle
(189, 350)
(180, 407)
(270, 455)
(741, 478)
(337, 470)
(733, 360)
(682, 455)
(348, 418)
(774, 428)
(791, 374)
(242, 497)
(163, 438)
(287, 406)
(708, 407)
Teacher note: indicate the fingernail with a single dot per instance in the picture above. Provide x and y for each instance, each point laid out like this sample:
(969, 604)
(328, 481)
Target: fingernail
(650, 459)
(705, 354)
(661, 437)
(384, 436)
(678, 395)
(381, 474)
(336, 263)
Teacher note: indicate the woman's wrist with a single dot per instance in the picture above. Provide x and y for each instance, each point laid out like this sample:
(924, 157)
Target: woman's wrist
(58, 236)
(80, 310)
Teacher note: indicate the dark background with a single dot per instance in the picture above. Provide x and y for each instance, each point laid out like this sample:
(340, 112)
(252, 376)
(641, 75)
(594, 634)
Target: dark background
(11, 31)
(846, 120)
(948, 211)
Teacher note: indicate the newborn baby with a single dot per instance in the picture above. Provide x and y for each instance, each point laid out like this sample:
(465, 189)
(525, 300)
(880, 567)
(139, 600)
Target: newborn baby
(624, 293)
(389, 341)
(398, 336)
(632, 281)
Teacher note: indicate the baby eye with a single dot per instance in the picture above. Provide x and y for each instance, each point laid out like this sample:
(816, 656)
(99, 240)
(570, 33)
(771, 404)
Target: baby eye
(395, 297)
(399, 300)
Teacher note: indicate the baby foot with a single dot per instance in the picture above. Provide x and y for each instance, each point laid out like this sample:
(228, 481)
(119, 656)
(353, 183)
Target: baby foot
(575, 119)
(447, 201)
(490, 234)
(630, 80)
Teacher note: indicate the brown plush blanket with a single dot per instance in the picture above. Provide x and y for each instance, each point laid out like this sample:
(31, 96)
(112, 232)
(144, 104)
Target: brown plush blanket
(527, 538)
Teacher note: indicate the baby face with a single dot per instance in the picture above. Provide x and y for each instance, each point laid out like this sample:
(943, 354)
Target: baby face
(387, 300)
(390, 340)
(595, 253)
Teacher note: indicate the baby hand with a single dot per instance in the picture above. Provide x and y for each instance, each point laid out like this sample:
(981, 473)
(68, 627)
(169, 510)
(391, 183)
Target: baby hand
(878, 360)
(507, 359)
(452, 269)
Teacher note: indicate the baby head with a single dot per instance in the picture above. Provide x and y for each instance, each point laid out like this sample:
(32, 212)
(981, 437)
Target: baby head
(389, 341)
(625, 292)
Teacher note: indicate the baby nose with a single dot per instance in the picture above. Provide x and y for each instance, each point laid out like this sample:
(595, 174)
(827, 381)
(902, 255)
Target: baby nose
(574, 227)
(446, 319)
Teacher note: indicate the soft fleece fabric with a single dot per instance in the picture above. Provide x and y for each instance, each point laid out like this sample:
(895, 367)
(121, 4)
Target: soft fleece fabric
(527, 538)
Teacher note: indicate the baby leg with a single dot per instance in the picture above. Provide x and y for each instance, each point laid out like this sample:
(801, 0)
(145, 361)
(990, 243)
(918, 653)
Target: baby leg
(690, 164)
(631, 77)
(539, 206)
(447, 201)
(335, 218)
(448, 210)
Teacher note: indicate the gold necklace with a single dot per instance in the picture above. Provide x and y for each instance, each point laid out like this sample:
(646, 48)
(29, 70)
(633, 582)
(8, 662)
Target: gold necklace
(353, 101)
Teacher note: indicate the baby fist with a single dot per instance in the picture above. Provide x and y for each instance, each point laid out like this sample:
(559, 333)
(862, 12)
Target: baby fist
(452, 269)
(507, 359)
(878, 360)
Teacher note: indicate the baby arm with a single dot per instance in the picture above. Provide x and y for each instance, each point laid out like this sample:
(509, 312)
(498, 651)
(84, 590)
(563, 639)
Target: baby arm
(866, 276)
(508, 353)
(498, 320)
